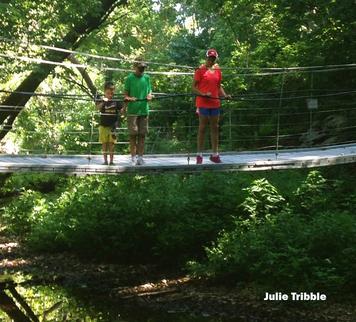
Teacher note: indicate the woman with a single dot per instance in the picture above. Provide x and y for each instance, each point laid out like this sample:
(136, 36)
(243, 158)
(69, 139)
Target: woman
(207, 85)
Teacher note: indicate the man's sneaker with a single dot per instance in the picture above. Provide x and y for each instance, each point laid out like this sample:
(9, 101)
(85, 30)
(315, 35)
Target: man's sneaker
(215, 158)
(140, 161)
(199, 159)
(133, 160)
(105, 163)
(112, 163)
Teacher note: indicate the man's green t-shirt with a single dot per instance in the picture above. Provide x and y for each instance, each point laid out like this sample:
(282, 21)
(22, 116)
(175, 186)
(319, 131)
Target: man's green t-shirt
(138, 87)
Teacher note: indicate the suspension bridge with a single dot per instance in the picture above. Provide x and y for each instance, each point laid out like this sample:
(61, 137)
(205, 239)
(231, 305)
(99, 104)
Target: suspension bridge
(244, 161)
(275, 151)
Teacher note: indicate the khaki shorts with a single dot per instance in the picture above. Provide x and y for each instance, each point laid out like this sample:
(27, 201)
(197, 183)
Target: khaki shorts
(105, 135)
(137, 124)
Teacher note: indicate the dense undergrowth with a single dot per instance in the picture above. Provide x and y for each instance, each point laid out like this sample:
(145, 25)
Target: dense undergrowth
(286, 230)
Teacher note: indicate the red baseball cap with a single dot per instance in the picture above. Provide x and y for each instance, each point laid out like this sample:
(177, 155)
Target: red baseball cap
(212, 53)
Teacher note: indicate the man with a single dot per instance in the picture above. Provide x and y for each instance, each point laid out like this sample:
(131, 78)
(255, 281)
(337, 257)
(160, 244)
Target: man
(138, 92)
(207, 85)
(109, 117)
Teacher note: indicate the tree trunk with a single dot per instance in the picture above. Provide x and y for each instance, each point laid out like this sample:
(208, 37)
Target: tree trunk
(10, 308)
(71, 41)
(23, 304)
(85, 75)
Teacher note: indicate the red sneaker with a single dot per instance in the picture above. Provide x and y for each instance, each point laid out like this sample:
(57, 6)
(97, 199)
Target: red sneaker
(215, 158)
(199, 159)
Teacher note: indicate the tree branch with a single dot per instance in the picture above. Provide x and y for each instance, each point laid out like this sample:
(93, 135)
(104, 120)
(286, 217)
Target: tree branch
(92, 89)
(71, 41)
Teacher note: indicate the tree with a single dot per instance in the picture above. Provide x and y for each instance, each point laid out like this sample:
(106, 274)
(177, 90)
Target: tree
(71, 40)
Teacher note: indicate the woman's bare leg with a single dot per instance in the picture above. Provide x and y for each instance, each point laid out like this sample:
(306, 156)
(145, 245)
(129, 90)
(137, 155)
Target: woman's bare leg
(214, 132)
(203, 121)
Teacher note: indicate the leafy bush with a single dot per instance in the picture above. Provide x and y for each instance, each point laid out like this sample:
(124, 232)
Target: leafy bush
(126, 218)
(42, 182)
(288, 253)
(262, 235)
(262, 200)
(312, 194)
(27, 211)
(283, 250)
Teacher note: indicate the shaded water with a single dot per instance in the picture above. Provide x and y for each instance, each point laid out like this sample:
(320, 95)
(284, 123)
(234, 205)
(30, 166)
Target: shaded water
(81, 306)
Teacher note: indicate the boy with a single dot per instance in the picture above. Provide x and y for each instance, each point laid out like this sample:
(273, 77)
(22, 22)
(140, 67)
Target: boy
(109, 117)
(138, 92)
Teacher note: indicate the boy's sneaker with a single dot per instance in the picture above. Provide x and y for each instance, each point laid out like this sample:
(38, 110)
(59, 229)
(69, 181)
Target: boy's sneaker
(199, 159)
(140, 161)
(105, 163)
(133, 160)
(112, 163)
(215, 158)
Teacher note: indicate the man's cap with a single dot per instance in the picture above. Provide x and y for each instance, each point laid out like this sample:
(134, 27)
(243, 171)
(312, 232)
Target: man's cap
(140, 64)
(212, 53)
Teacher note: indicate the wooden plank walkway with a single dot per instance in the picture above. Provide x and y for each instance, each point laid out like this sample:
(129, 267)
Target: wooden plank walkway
(242, 161)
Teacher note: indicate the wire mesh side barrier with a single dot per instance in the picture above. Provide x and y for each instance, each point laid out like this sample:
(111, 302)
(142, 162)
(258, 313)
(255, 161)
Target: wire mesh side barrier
(232, 130)
(240, 97)
(176, 111)
(231, 138)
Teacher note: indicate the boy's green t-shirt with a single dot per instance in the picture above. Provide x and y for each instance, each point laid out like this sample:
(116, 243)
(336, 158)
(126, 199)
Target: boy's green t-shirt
(138, 87)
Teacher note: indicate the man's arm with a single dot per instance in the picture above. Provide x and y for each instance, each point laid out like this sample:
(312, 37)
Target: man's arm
(128, 97)
(149, 95)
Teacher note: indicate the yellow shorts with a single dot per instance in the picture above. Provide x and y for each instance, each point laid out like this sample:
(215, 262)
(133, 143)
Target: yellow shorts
(105, 135)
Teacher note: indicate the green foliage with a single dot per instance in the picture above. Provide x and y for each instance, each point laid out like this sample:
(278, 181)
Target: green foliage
(167, 217)
(262, 201)
(130, 218)
(41, 182)
(288, 253)
(246, 34)
(302, 238)
(26, 212)
(278, 230)
(285, 250)
(311, 194)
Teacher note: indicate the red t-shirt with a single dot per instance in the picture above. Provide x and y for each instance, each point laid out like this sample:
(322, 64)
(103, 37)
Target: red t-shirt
(208, 81)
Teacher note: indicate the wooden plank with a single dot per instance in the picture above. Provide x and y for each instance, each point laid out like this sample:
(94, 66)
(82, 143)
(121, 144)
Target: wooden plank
(244, 161)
